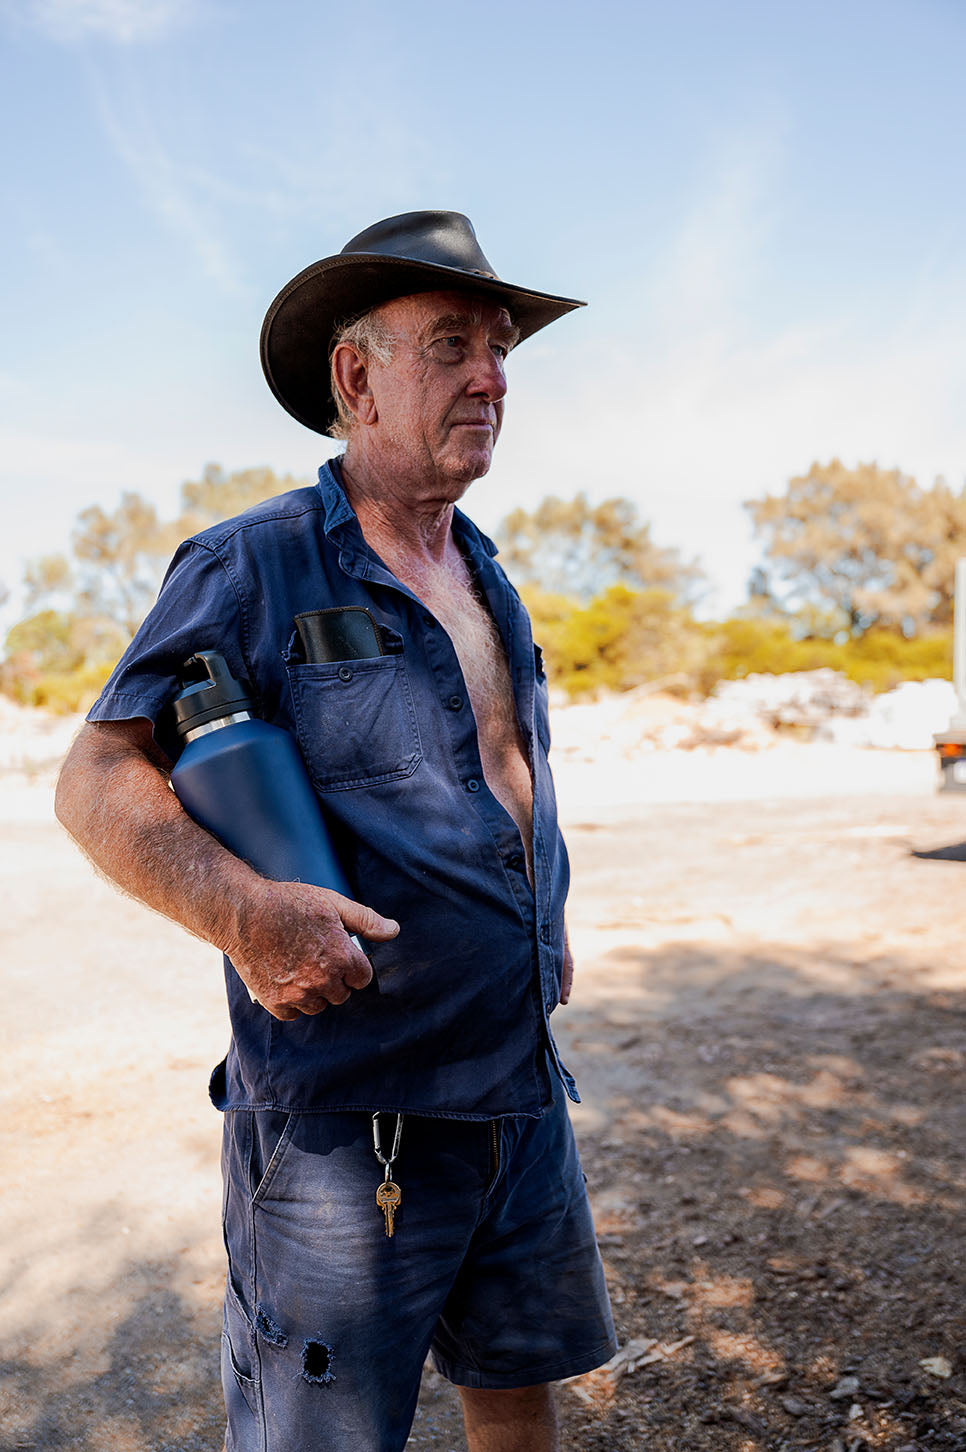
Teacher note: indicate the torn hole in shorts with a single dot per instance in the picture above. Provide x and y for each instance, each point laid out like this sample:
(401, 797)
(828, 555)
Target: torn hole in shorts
(317, 1359)
(271, 1330)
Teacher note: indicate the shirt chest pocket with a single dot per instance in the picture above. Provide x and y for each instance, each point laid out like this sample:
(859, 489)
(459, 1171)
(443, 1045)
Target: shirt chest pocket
(356, 721)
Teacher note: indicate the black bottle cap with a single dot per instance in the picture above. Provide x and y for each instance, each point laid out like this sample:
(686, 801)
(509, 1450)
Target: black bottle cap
(209, 692)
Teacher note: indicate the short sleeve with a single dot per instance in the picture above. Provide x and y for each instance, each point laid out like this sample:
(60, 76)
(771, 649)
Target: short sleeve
(198, 608)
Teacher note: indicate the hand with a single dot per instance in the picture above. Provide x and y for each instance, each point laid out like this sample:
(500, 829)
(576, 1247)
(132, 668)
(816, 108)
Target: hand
(293, 951)
(567, 976)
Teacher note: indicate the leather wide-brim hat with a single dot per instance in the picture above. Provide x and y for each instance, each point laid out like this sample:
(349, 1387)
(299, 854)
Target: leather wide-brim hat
(411, 253)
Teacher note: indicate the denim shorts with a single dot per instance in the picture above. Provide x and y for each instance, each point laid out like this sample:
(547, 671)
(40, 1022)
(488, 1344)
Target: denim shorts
(493, 1268)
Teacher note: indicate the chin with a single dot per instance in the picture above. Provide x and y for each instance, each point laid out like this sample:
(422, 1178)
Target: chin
(462, 472)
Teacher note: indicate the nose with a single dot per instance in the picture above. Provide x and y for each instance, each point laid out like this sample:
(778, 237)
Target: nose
(487, 378)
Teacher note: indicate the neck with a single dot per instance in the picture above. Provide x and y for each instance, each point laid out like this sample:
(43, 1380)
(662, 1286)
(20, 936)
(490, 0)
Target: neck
(393, 519)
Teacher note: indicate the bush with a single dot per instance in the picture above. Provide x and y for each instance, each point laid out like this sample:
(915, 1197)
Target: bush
(624, 638)
(745, 645)
(59, 661)
(60, 692)
(617, 640)
(883, 659)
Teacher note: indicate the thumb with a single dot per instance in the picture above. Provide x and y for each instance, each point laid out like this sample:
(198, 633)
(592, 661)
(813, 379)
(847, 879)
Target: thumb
(365, 921)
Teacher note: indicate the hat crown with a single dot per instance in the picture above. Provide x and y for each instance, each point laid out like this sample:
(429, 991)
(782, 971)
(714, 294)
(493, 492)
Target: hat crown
(443, 239)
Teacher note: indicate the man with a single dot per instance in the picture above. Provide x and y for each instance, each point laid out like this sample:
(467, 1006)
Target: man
(429, 1057)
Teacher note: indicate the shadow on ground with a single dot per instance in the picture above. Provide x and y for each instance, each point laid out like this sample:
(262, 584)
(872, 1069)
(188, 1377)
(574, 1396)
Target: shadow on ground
(956, 852)
(149, 1381)
(777, 1156)
(775, 1149)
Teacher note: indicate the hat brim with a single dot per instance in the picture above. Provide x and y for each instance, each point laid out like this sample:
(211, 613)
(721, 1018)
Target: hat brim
(300, 323)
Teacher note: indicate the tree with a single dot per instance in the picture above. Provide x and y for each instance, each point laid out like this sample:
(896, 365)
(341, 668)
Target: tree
(118, 561)
(572, 547)
(118, 557)
(59, 660)
(121, 557)
(867, 544)
(217, 495)
(82, 610)
(48, 579)
(44, 642)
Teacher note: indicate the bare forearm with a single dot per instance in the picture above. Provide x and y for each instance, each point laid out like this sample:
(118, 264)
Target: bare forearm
(288, 941)
(117, 805)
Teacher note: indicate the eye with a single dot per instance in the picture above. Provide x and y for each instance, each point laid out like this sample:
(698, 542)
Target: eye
(501, 350)
(448, 348)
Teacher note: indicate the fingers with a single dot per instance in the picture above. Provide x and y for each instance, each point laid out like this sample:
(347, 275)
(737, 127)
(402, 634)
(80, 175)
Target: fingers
(359, 970)
(307, 1004)
(313, 986)
(357, 918)
(301, 956)
(285, 1015)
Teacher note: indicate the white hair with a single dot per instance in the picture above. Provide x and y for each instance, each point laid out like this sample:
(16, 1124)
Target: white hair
(370, 337)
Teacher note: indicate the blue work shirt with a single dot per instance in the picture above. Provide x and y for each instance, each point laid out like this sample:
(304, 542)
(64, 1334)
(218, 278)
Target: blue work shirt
(455, 1020)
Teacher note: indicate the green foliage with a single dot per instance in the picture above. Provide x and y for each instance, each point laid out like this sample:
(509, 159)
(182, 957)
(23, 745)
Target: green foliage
(624, 638)
(879, 658)
(744, 646)
(609, 607)
(619, 639)
(45, 642)
(882, 659)
(92, 603)
(58, 660)
(62, 692)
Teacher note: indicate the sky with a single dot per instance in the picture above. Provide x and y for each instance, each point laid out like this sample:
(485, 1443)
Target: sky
(763, 205)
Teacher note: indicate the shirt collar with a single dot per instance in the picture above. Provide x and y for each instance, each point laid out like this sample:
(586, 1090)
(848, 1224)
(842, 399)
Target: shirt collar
(338, 510)
(339, 513)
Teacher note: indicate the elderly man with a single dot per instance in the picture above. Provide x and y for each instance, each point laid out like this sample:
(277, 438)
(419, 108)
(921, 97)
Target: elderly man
(430, 1051)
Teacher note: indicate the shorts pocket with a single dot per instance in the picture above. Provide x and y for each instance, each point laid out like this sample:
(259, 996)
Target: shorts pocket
(239, 1373)
(274, 1162)
(356, 721)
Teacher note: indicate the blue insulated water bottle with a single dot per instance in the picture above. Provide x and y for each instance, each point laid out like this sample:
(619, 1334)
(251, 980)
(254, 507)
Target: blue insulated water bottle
(244, 780)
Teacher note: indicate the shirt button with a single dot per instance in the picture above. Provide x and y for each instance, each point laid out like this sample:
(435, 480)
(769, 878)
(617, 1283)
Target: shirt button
(472, 785)
(455, 703)
(545, 934)
(516, 861)
(344, 673)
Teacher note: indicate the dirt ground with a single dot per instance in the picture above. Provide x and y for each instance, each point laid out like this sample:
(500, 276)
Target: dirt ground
(769, 1034)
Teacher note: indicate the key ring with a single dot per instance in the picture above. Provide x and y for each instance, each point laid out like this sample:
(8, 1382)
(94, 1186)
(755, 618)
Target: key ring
(377, 1143)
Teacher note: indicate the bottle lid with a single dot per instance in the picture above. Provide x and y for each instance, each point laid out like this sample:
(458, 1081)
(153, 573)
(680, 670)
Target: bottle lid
(209, 692)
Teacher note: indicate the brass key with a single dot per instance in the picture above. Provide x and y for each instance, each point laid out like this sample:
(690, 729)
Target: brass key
(388, 1197)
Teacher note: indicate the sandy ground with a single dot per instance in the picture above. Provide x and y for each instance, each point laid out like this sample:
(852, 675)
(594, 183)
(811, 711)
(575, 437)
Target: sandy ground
(768, 1031)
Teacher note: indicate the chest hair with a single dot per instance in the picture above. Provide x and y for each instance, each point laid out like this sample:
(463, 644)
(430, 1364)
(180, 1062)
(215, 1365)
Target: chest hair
(449, 592)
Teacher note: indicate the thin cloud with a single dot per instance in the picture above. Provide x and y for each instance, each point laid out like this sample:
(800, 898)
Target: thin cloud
(127, 22)
(694, 409)
(691, 428)
(182, 197)
(703, 279)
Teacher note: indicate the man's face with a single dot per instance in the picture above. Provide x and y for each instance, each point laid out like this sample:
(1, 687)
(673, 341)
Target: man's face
(439, 401)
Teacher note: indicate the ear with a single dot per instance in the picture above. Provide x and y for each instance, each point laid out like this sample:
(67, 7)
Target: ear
(352, 376)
